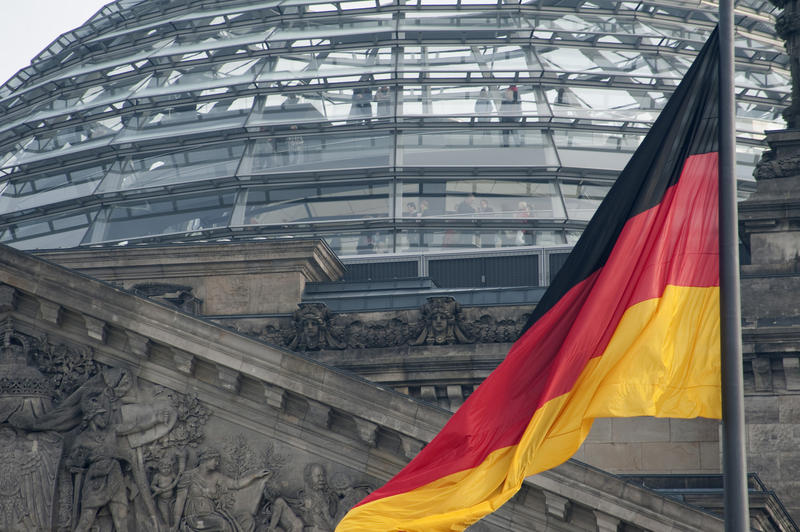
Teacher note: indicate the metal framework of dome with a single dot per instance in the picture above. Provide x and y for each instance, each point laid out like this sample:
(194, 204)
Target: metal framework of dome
(384, 126)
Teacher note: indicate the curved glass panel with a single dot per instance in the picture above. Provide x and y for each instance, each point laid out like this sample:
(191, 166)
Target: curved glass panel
(61, 231)
(209, 162)
(386, 127)
(182, 215)
(91, 96)
(582, 199)
(315, 203)
(19, 194)
(484, 199)
(510, 146)
(606, 151)
(294, 151)
(360, 242)
(65, 140)
(184, 118)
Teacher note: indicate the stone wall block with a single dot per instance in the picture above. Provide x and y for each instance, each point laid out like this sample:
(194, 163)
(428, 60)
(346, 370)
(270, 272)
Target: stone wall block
(275, 396)
(616, 457)
(711, 456)
(770, 438)
(50, 312)
(761, 410)
(606, 522)
(229, 379)
(184, 362)
(318, 414)
(640, 429)
(428, 393)
(8, 298)
(96, 328)
(694, 430)
(762, 373)
(789, 409)
(411, 447)
(456, 396)
(367, 431)
(671, 457)
(791, 371)
(557, 506)
(601, 431)
(138, 345)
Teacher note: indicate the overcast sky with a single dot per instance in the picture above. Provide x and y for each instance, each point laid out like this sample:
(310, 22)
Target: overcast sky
(28, 26)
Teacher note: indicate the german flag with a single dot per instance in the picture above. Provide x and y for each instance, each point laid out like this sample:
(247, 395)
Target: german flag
(629, 327)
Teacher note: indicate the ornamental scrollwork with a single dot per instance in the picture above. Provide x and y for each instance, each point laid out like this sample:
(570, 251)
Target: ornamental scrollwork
(440, 321)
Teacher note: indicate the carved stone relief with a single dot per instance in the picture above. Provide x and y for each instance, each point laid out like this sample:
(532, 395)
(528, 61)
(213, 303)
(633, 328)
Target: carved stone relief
(84, 447)
(440, 321)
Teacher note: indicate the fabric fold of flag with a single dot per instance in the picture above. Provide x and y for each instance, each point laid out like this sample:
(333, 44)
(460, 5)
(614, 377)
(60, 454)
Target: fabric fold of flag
(629, 327)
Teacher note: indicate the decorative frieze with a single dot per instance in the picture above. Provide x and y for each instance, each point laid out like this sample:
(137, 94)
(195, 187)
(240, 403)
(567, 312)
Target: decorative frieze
(440, 321)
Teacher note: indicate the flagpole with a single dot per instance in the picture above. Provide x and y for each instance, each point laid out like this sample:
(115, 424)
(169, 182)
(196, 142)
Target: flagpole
(733, 447)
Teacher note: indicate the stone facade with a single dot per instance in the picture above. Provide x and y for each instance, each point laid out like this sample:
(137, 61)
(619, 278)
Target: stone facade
(770, 223)
(436, 353)
(186, 405)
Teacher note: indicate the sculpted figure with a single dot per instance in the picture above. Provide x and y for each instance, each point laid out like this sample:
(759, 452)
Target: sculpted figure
(163, 486)
(787, 26)
(109, 386)
(318, 503)
(441, 316)
(28, 470)
(312, 328)
(203, 498)
(96, 461)
(314, 510)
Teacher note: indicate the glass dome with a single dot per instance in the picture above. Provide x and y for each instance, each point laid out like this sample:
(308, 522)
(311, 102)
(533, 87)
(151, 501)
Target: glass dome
(384, 126)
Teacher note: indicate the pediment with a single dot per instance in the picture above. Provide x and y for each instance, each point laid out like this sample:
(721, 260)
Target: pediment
(194, 406)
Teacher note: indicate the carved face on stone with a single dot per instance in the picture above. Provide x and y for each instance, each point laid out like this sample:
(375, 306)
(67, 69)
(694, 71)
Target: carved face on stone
(101, 417)
(164, 467)
(439, 323)
(317, 479)
(311, 329)
(210, 462)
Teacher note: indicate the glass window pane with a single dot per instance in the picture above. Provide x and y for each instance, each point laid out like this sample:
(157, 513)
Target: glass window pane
(60, 231)
(49, 187)
(172, 215)
(582, 199)
(290, 150)
(267, 206)
(209, 162)
(514, 146)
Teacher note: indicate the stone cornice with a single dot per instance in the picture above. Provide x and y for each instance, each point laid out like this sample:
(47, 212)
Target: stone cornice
(312, 258)
(641, 507)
